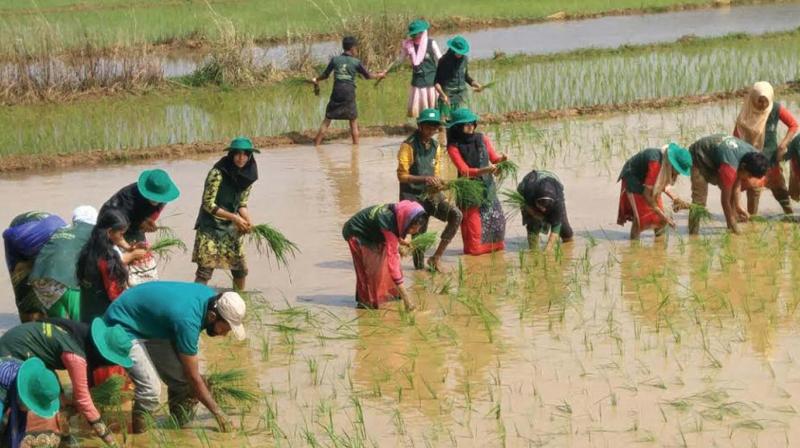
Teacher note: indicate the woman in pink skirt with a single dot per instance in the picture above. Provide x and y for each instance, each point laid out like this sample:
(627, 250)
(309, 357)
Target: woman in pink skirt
(423, 53)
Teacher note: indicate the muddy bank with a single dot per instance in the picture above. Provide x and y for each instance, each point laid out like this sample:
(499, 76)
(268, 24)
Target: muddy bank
(23, 163)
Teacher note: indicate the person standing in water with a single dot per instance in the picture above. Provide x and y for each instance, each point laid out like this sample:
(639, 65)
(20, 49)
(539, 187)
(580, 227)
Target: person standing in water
(224, 218)
(452, 76)
(731, 164)
(419, 167)
(342, 104)
(644, 177)
(483, 228)
(423, 54)
(374, 235)
(545, 210)
(757, 124)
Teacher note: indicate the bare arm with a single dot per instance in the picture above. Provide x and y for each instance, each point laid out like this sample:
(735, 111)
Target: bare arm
(191, 368)
(651, 201)
(726, 197)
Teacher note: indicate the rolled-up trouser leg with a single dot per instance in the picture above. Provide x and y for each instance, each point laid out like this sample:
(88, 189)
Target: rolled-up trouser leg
(777, 185)
(452, 216)
(147, 383)
(699, 197)
(179, 391)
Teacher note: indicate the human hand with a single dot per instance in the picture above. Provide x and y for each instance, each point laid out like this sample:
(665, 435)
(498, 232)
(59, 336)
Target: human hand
(241, 224)
(380, 75)
(138, 253)
(503, 157)
(782, 148)
(477, 86)
(742, 215)
(225, 424)
(148, 226)
(407, 301)
(434, 181)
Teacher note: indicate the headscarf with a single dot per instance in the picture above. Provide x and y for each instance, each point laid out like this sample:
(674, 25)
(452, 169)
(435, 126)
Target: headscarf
(666, 175)
(545, 192)
(417, 55)
(751, 124)
(85, 214)
(406, 212)
(241, 177)
(17, 418)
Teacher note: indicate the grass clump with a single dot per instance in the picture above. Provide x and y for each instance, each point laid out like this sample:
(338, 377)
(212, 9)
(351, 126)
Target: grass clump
(506, 169)
(226, 386)
(423, 241)
(467, 192)
(269, 240)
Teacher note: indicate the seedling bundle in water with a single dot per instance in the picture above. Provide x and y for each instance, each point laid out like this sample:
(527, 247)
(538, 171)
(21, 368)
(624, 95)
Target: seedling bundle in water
(467, 192)
(699, 212)
(423, 241)
(506, 169)
(269, 240)
(110, 393)
(226, 386)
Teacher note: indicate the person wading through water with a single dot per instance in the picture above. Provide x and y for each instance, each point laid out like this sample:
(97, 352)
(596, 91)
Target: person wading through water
(419, 168)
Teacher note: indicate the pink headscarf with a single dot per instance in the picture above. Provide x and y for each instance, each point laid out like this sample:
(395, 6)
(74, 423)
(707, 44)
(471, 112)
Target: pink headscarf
(417, 55)
(406, 211)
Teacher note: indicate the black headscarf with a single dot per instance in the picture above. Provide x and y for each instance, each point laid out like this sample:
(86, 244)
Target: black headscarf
(468, 145)
(546, 192)
(241, 177)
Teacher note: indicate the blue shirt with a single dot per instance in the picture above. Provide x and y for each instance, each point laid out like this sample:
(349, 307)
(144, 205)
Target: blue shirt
(163, 310)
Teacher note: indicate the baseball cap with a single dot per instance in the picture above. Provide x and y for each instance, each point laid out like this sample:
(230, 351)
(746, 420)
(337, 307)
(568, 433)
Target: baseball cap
(231, 307)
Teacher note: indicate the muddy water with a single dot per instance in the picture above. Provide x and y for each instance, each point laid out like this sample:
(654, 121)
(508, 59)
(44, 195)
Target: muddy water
(554, 37)
(691, 341)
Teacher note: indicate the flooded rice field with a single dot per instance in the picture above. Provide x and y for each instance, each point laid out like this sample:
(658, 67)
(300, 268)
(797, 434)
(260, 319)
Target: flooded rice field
(684, 342)
(137, 121)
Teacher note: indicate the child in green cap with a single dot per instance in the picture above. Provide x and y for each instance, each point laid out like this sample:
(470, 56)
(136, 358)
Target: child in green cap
(224, 218)
(423, 54)
(419, 167)
(342, 104)
(644, 177)
(452, 76)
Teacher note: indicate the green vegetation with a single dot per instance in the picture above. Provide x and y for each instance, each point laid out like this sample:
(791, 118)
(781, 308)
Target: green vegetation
(467, 192)
(114, 23)
(580, 79)
(270, 241)
(423, 241)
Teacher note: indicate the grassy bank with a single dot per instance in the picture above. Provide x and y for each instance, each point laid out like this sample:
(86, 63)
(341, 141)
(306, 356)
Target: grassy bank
(586, 79)
(191, 23)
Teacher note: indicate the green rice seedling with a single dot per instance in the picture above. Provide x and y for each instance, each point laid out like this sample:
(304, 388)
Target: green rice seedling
(699, 212)
(506, 169)
(423, 241)
(164, 247)
(489, 84)
(268, 239)
(467, 193)
(514, 200)
(226, 388)
(110, 393)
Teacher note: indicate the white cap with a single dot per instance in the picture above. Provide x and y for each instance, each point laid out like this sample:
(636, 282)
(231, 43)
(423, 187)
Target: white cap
(231, 307)
(85, 213)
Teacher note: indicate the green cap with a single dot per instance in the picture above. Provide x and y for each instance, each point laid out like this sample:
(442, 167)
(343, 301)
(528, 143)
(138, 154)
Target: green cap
(417, 26)
(459, 45)
(680, 159)
(156, 185)
(461, 116)
(113, 343)
(242, 144)
(432, 116)
(38, 388)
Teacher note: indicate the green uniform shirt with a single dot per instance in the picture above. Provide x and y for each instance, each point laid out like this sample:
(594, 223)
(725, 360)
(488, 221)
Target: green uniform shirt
(709, 153)
(424, 74)
(367, 224)
(635, 169)
(344, 68)
(56, 260)
(43, 340)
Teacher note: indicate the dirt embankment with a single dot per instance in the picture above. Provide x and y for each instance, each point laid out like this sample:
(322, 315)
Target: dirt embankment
(84, 159)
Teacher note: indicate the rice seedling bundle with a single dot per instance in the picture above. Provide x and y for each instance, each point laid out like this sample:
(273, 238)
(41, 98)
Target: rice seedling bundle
(110, 393)
(423, 241)
(506, 169)
(514, 200)
(698, 212)
(163, 247)
(226, 386)
(268, 240)
(467, 192)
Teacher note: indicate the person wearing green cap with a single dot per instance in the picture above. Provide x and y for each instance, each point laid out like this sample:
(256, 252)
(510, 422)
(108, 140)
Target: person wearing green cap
(165, 320)
(419, 168)
(423, 53)
(342, 104)
(545, 210)
(27, 389)
(452, 76)
(142, 202)
(483, 228)
(732, 164)
(644, 177)
(224, 219)
(76, 347)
